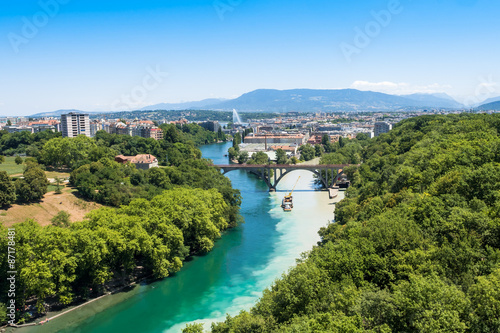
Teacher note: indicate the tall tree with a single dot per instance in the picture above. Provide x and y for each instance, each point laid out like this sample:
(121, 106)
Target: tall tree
(7, 190)
(325, 139)
(61, 219)
(341, 142)
(243, 157)
(236, 139)
(281, 157)
(307, 152)
(33, 186)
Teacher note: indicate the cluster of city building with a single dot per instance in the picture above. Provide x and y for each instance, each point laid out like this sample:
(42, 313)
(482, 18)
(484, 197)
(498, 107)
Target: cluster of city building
(21, 124)
(74, 124)
(288, 132)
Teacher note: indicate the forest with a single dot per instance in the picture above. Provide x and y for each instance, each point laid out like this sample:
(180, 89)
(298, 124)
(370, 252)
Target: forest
(152, 220)
(415, 246)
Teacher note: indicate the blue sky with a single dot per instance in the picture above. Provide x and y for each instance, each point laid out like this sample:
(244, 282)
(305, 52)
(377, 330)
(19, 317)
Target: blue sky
(100, 55)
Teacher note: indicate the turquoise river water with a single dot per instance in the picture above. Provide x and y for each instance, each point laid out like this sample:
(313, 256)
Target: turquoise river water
(231, 278)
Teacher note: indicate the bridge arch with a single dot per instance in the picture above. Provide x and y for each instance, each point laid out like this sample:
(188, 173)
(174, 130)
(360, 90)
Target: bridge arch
(331, 172)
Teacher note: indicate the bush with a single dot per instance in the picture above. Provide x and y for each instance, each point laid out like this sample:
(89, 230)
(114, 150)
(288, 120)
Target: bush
(7, 190)
(61, 219)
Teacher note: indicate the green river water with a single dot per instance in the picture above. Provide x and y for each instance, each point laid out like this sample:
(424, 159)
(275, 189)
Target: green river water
(229, 279)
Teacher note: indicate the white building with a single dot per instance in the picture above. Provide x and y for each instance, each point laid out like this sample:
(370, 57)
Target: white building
(381, 127)
(74, 124)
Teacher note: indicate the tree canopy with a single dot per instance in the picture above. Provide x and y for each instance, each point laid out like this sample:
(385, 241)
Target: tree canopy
(156, 234)
(7, 190)
(152, 221)
(416, 243)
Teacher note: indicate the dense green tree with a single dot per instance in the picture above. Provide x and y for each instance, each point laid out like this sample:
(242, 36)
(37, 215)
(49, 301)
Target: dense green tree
(57, 180)
(485, 307)
(61, 219)
(318, 150)
(233, 152)
(70, 152)
(18, 160)
(428, 305)
(243, 157)
(259, 158)
(325, 139)
(193, 328)
(111, 243)
(7, 190)
(33, 186)
(341, 142)
(414, 246)
(236, 139)
(362, 136)
(220, 135)
(2, 159)
(307, 152)
(171, 133)
(3, 313)
(281, 157)
(158, 178)
(150, 229)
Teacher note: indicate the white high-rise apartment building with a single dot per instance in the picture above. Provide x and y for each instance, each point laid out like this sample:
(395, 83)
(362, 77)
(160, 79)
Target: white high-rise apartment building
(381, 127)
(74, 124)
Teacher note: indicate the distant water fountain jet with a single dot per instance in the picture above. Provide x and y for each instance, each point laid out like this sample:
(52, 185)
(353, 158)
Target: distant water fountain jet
(236, 117)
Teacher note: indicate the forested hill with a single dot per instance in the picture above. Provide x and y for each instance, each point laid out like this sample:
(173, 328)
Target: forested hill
(153, 219)
(416, 244)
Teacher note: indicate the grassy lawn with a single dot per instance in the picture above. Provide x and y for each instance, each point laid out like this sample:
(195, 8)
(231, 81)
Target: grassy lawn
(10, 166)
(52, 188)
(53, 174)
(45, 210)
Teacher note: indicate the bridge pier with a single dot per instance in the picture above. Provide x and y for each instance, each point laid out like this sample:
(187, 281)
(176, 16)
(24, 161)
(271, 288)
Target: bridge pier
(263, 172)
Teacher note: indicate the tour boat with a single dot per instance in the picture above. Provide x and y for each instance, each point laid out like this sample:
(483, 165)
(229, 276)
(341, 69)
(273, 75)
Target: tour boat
(287, 202)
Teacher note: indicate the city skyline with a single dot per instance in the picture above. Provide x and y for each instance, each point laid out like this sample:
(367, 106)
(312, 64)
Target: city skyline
(63, 54)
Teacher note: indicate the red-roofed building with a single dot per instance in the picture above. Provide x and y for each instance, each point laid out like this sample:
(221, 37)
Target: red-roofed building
(141, 161)
(314, 140)
(298, 139)
(289, 149)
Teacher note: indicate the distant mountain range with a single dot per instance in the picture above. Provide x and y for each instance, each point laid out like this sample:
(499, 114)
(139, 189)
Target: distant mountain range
(306, 100)
(58, 113)
(184, 106)
(491, 100)
(490, 106)
(270, 100)
(439, 100)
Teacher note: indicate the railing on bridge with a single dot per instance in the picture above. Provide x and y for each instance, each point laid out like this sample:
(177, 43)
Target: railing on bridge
(328, 174)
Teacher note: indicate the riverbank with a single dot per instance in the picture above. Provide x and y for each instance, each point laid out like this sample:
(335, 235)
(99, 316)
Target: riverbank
(231, 278)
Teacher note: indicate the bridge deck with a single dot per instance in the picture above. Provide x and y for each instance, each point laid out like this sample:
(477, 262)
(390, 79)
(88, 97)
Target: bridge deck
(263, 171)
(283, 166)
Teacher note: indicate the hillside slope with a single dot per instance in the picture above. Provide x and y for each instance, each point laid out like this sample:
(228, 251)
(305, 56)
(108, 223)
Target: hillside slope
(416, 244)
(490, 106)
(271, 100)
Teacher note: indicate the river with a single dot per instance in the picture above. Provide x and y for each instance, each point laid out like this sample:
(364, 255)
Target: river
(231, 278)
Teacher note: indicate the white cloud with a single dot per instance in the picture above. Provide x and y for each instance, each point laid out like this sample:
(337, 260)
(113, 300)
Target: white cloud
(401, 88)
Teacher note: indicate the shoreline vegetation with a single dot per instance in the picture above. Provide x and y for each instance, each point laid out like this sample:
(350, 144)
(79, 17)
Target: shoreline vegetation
(415, 246)
(78, 305)
(151, 221)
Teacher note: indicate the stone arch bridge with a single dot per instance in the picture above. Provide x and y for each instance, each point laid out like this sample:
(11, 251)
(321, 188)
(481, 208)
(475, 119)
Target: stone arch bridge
(328, 174)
